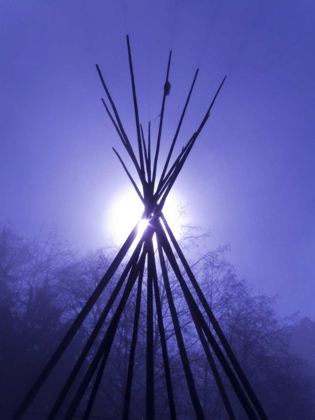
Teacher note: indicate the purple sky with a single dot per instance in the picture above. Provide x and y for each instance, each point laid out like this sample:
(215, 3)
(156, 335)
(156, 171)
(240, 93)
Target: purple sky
(251, 177)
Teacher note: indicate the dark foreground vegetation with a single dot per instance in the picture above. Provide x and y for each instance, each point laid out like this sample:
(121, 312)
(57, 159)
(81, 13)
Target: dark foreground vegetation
(43, 285)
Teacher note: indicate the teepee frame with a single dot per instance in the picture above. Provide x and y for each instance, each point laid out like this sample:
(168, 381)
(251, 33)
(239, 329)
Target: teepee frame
(213, 340)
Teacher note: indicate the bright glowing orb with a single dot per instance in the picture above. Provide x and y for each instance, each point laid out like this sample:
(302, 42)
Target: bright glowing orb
(127, 209)
(124, 213)
(142, 226)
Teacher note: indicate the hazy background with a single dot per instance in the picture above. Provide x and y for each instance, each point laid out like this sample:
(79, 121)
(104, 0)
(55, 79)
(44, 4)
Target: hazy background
(250, 179)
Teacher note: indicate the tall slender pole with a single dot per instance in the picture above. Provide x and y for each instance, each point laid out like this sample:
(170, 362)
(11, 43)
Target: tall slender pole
(161, 121)
(167, 370)
(121, 128)
(198, 318)
(177, 130)
(180, 341)
(149, 151)
(105, 346)
(129, 175)
(146, 159)
(150, 359)
(75, 326)
(94, 333)
(135, 104)
(216, 325)
(215, 372)
(133, 349)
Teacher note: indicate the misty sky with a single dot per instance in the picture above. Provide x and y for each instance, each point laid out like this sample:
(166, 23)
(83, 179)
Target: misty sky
(250, 179)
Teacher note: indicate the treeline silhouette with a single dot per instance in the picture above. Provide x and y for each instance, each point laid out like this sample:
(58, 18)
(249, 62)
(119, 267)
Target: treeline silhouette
(44, 283)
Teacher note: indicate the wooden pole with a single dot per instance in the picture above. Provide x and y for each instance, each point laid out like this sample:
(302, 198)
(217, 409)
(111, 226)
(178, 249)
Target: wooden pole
(121, 128)
(135, 104)
(133, 349)
(129, 176)
(149, 354)
(161, 121)
(177, 130)
(216, 325)
(95, 332)
(104, 348)
(75, 326)
(167, 370)
(198, 318)
(180, 342)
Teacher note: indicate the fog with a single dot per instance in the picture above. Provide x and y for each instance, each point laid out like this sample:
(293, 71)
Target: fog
(249, 180)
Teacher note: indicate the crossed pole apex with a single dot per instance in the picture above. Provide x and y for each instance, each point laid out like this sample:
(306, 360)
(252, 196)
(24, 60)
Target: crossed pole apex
(143, 261)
